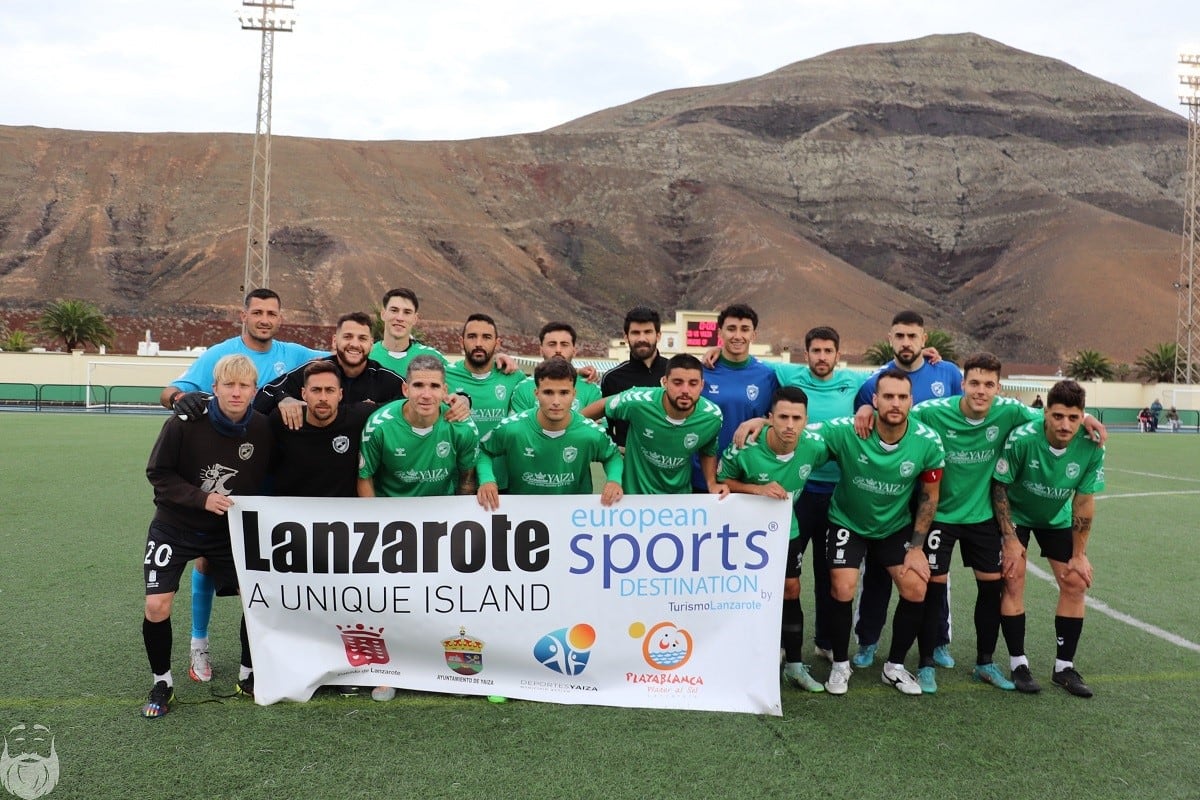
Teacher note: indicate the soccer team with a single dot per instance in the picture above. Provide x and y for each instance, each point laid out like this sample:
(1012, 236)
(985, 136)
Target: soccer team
(874, 480)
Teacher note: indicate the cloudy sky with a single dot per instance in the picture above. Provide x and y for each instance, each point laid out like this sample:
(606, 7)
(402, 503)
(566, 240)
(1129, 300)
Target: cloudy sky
(458, 69)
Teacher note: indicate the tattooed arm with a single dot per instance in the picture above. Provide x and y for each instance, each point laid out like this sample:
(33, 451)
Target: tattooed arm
(1083, 508)
(1012, 554)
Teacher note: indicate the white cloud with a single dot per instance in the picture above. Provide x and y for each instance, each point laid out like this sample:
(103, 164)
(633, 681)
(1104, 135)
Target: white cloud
(379, 69)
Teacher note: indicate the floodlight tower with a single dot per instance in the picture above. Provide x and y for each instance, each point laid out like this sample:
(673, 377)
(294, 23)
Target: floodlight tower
(1187, 327)
(258, 245)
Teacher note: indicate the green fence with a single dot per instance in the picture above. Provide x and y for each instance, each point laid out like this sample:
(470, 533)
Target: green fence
(72, 397)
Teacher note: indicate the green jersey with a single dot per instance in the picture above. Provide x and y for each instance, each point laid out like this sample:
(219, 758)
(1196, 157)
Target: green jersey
(524, 396)
(397, 360)
(548, 462)
(491, 394)
(872, 498)
(827, 399)
(759, 464)
(972, 448)
(409, 462)
(1043, 480)
(658, 449)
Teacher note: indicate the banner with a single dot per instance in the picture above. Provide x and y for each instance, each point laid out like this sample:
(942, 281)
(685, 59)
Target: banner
(668, 601)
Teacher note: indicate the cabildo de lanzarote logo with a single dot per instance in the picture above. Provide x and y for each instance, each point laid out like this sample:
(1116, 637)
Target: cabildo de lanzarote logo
(29, 763)
(364, 644)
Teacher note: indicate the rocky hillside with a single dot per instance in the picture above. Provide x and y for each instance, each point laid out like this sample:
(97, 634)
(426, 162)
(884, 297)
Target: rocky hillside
(1024, 205)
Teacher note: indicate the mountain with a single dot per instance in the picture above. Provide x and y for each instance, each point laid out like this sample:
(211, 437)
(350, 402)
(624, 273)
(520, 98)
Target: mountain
(1023, 205)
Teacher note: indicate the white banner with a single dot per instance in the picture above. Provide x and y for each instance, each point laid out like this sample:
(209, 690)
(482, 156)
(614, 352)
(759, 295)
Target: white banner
(658, 601)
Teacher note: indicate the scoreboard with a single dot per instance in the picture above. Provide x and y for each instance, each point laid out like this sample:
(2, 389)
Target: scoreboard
(702, 333)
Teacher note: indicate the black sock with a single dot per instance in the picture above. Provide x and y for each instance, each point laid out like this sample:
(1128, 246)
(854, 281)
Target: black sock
(1014, 633)
(906, 622)
(791, 634)
(157, 636)
(930, 632)
(841, 617)
(246, 660)
(987, 619)
(1067, 629)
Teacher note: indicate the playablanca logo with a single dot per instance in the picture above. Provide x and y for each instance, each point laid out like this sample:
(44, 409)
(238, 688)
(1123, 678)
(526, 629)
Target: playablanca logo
(566, 650)
(665, 646)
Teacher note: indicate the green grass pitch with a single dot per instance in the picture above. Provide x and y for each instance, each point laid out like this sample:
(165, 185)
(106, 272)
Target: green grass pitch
(75, 509)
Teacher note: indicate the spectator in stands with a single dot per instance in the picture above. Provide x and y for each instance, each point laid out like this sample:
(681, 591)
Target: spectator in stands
(1144, 420)
(1037, 402)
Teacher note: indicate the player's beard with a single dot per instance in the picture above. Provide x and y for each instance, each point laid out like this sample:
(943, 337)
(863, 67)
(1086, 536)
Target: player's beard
(688, 403)
(907, 358)
(641, 350)
(351, 358)
(821, 369)
(322, 412)
(479, 357)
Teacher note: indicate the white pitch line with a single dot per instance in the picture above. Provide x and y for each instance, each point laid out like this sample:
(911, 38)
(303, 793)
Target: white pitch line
(1120, 616)
(1154, 475)
(1146, 494)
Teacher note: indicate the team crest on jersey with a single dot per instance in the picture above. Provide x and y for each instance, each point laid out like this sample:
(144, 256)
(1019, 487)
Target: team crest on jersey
(907, 468)
(501, 391)
(443, 449)
(1072, 470)
(1002, 466)
(280, 368)
(804, 471)
(245, 451)
(690, 441)
(570, 454)
(341, 444)
(752, 392)
(992, 432)
(938, 388)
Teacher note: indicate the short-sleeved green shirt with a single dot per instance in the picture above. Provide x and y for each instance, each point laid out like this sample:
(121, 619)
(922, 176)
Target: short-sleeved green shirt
(398, 362)
(544, 462)
(524, 395)
(972, 448)
(1041, 482)
(491, 395)
(758, 464)
(406, 463)
(872, 498)
(658, 449)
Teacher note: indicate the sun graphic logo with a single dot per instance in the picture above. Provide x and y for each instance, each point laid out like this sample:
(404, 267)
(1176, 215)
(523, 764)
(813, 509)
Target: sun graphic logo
(566, 650)
(33, 771)
(664, 646)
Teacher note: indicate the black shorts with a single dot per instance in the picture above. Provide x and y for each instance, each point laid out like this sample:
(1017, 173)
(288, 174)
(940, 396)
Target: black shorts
(169, 549)
(795, 557)
(980, 546)
(846, 549)
(1057, 543)
(812, 518)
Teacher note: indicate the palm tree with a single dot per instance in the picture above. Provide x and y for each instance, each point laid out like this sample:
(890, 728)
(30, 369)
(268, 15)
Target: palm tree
(1088, 365)
(879, 354)
(1157, 364)
(76, 323)
(15, 341)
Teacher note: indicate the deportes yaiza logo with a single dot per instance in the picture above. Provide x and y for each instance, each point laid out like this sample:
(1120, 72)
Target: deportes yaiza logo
(364, 645)
(341, 444)
(443, 449)
(570, 454)
(690, 440)
(566, 650)
(1072, 470)
(907, 468)
(29, 763)
(464, 654)
(664, 646)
